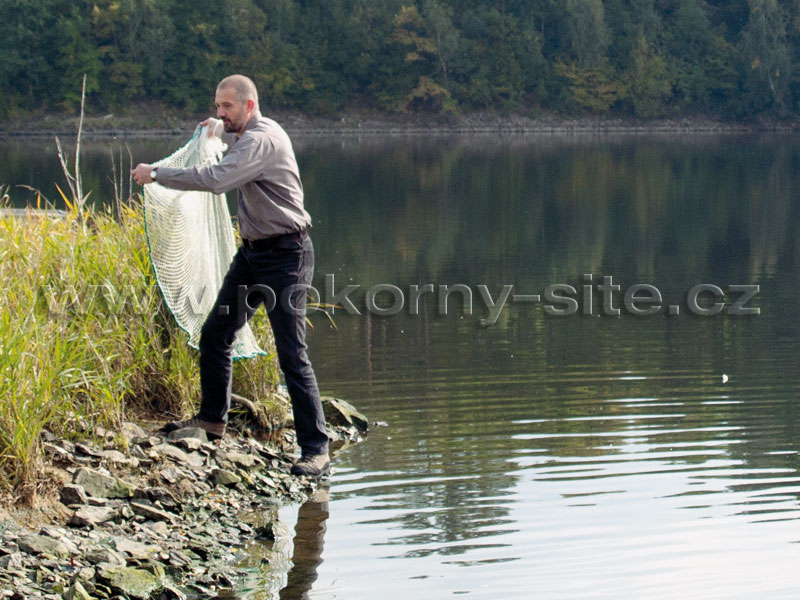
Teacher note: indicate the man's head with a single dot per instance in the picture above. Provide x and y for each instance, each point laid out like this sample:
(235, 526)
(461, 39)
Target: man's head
(236, 101)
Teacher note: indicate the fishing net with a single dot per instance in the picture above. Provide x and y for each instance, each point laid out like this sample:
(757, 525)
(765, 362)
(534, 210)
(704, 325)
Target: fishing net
(191, 241)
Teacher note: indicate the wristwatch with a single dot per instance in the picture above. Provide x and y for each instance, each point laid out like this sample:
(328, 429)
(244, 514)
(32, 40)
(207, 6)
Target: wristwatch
(153, 174)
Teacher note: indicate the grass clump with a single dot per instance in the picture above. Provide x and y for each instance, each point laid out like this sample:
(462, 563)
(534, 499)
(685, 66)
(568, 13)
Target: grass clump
(86, 339)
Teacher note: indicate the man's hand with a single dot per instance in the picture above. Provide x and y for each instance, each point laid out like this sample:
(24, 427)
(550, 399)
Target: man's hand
(141, 174)
(215, 126)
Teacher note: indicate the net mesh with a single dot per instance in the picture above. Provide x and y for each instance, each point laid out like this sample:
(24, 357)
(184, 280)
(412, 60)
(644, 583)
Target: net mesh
(191, 241)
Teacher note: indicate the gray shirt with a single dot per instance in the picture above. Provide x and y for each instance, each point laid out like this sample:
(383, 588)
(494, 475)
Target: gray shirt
(262, 166)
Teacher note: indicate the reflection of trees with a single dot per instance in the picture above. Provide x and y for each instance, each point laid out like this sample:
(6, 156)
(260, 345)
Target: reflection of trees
(671, 211)
(476, 206)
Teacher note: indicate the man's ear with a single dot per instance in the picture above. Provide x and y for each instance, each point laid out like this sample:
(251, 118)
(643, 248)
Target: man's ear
(251, 105)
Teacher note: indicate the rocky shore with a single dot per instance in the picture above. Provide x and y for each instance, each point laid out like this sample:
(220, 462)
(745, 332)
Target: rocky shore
(141, 122)
(141, 515)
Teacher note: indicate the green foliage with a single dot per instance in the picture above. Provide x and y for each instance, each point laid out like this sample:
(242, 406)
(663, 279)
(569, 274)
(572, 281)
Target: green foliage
(593, 88)
(639, 57)
(85, 337)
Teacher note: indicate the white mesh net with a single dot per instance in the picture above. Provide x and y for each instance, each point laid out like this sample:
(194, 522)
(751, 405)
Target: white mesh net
(191, 242)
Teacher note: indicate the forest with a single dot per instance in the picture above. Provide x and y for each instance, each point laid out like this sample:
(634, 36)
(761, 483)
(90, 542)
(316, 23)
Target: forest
(727, 59)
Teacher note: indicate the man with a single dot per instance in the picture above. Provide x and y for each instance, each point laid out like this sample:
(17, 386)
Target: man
(276, 254)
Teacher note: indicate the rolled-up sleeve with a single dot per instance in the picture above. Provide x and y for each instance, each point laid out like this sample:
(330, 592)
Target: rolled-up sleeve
(244, 162)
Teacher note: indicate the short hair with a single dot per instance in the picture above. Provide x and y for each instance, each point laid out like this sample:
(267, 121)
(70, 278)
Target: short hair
(243, 86)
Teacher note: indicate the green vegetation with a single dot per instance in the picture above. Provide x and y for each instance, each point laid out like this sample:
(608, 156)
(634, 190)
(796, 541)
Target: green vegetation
(733, 59)
(85, 338)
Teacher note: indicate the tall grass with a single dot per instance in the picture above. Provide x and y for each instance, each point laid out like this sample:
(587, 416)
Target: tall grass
(85, 337)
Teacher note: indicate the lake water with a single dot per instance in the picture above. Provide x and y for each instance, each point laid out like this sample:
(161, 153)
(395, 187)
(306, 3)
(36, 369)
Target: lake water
(568, 447)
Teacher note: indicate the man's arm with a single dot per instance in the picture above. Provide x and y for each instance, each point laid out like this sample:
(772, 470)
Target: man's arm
(243, 163)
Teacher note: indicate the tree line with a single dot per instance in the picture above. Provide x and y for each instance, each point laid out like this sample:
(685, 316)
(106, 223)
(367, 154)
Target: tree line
(733, 59)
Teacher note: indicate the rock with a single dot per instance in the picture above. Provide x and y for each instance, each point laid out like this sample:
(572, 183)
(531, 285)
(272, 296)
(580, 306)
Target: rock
(173, 593)
(131, 431)
(159, 529)
(87, 450)
(91, 516)
(244, 461)
(158, 494)
(189, 443)
(97, 556)
(57, 453)
(171, 475)
(196, 433)
(62, 535)
(225, 477)
(138, 453)
(102, 486)
(340, 412)
(130, 582)
(151, 512)
(135, 549)
(179, 455)
(149, 442)
(76, 592)
(12, 562)
(118, 458)
(42, 544)
(73, 493)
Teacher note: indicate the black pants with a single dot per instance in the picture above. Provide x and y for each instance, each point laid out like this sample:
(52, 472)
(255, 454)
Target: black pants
(276, 274)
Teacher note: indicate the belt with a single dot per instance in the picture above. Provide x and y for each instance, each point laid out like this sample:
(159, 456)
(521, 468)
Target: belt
(275, 241)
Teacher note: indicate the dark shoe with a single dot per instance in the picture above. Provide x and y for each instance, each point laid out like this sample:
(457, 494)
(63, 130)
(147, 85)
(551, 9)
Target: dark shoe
(214, 430)
(312, 465)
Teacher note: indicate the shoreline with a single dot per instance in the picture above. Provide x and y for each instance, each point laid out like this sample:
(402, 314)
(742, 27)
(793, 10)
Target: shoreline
(373, 123)
(157, 516)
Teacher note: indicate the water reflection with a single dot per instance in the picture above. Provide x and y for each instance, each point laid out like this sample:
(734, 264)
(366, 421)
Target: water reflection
(309, 540)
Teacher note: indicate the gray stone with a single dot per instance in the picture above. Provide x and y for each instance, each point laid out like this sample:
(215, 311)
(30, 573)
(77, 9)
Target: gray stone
(118, 458)
(340, 412)
(133, 583)
(89, 516)
(173, 593)
(137, 452)
(76, 592)
(57, 452)
(151, 512)
(148, 442)
(189, 443)
(159, 529)
(225, 477)
(42, 544)
(244, 461)
(171, 475)
(131, 431)
(12, 562)
(87, 450)
(102, 486)
(73, 493)
(179, 455)
(62, 535)
(97, 556)
(135, 549)
(196, 433)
